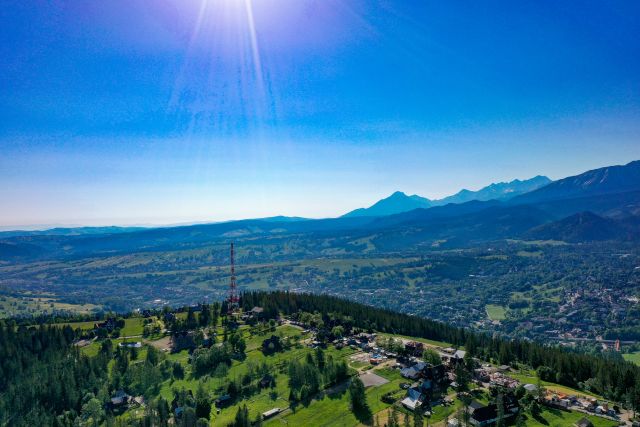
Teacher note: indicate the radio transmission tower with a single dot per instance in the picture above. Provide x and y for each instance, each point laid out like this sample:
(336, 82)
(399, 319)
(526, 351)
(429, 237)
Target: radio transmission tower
(233, 299)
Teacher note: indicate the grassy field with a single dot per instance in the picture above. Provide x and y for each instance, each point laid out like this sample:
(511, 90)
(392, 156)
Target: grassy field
(330, 407)
(80, 325)
(632, 357)
(531, 378)
(132, 326)
(433, 343)
(265, 399)
(333, 409)
(254, 341)
(557, 418)
(530, 254)
(356, 364)
(538, 242)
(91, 349)
(26, 306)
(496, 312)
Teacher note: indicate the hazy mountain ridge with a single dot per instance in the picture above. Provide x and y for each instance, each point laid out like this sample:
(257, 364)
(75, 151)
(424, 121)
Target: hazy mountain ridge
(461, 224)
(70, 231)
(400, 202)
(395, 203)
(610, 179)
(496, 191)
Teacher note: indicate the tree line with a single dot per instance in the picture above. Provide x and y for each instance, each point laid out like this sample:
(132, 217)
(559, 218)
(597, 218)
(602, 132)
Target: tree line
(612, 378)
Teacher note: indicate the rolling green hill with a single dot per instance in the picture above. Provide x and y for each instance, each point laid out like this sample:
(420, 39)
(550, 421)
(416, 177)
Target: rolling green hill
(227, 375)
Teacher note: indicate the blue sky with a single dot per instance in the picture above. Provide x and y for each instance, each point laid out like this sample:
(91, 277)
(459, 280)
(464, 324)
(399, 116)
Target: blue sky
(136, 112)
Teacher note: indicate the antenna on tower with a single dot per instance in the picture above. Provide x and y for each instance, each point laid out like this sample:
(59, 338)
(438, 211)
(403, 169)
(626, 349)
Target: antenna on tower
(233, 299)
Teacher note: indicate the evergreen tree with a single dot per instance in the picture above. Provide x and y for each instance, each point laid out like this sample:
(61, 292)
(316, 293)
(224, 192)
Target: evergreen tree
(188, 418)
(153, 355)
(205, 315)
(417, 418)
(462, 377)
(242, 417)
(320, 360)
(500, 405)
(203, 403)
(164, 412)
(359, 404)
(431, 356)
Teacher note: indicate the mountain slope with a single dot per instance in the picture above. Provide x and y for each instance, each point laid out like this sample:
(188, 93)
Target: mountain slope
(396, 203)
(584, 227)
(491, 221)
(11, 250)
(497, 191)
(611, 179)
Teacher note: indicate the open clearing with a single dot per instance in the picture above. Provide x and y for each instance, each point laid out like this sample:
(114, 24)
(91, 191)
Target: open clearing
(496, 312)
(632, 357)
(370, 379)
(162, 343)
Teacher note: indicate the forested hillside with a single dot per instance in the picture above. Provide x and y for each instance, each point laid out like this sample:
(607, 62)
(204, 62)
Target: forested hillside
(294, 357)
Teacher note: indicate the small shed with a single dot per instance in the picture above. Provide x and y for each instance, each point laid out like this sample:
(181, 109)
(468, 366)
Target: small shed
(270, 413)
(223, 401)
(119, 398)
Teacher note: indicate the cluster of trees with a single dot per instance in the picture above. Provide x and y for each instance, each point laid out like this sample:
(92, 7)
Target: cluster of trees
(272, 345)
(391, 344)
(396, 346)
(313, 373)
(358, 399)
(195, 410)
(249, 383)
(209, 316)
(151, 326)
(613, 378)
(142, 377)
(206, 360)
(242, 419)
(328, 326)
(44, 380)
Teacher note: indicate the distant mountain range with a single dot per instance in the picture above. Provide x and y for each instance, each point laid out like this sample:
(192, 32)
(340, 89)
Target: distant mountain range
(602, 204)
(399, 202)
(499, 191)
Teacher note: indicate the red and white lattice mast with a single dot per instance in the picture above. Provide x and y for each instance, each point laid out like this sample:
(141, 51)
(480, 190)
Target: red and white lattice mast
(233, 299)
